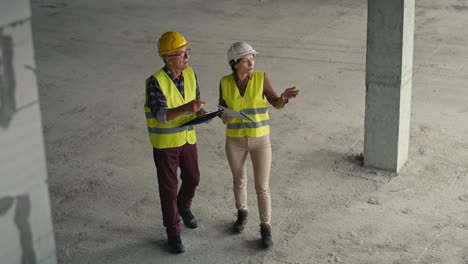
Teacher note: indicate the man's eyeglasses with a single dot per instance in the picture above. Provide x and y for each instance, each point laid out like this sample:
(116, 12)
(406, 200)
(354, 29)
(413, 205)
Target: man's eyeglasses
(180, 54)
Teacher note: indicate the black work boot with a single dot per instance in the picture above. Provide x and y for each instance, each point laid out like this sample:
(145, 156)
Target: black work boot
(189, 219)
(265, 232)
(175, 244)
(241, 221)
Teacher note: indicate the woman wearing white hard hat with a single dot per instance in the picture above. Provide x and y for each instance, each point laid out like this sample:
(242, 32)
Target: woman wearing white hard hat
(249, 91)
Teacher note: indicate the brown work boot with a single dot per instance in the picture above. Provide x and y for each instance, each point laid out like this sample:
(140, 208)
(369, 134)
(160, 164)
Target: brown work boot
(265, 232)
(241, 221)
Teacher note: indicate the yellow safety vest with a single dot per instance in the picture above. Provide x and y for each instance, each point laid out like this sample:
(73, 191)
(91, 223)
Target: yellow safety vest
(170, 135)
(253, 104)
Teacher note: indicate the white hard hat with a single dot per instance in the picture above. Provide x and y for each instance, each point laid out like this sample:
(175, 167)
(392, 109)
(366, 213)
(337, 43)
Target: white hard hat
(239, 50)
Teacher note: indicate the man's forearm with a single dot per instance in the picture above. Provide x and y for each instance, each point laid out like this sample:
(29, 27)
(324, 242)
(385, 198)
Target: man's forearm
(175, 112)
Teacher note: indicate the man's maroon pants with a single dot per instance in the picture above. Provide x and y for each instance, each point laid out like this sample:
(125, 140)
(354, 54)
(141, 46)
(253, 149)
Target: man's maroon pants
(167, 161)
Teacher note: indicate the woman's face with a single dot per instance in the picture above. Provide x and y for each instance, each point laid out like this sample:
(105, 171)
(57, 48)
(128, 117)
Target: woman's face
(245, 65)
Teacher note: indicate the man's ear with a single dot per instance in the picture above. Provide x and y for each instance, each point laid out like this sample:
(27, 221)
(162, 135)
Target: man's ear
(164, 59)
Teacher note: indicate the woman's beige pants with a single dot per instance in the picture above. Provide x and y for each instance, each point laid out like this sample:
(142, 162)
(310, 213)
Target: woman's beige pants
(260, 153)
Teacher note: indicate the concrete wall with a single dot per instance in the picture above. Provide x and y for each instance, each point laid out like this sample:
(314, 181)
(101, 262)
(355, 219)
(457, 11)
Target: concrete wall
(25, 218)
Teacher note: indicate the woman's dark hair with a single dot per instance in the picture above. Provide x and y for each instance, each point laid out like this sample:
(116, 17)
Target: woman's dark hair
(233, 63)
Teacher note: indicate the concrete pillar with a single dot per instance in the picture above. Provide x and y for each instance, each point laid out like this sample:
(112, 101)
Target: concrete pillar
(389, 65)
(26, 234)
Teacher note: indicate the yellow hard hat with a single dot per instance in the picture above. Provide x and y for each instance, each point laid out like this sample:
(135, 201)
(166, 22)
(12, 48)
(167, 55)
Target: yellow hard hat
(171, 41)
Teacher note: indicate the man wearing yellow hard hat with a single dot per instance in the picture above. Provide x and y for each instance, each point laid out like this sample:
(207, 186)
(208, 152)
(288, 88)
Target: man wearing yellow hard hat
(173, 99)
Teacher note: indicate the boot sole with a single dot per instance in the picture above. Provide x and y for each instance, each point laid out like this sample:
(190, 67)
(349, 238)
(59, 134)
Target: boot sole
(237, 232)
(190, 225)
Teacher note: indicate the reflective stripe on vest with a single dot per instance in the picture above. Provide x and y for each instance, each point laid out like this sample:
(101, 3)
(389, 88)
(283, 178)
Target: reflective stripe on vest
(155, 130)
(170, 134)
(255, 111)
(248, 124)
(253, 104)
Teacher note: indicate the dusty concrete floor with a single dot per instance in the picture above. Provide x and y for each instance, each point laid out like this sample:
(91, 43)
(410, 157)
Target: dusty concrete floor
(93, 58)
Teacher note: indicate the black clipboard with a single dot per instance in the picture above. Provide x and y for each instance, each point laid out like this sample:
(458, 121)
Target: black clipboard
(202, 119)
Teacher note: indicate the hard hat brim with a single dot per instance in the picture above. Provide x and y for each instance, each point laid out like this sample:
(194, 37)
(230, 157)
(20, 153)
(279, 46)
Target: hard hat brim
(166, 52)
(250, 52)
